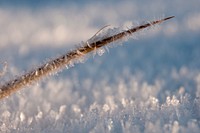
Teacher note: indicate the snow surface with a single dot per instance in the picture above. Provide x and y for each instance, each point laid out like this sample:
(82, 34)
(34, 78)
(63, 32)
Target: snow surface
(149, 84)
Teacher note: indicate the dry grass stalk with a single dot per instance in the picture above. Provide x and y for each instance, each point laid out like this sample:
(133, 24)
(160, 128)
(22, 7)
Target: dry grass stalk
(60, 62)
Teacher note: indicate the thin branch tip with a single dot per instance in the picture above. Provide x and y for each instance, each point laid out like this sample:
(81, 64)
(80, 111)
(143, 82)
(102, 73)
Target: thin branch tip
(169, 18)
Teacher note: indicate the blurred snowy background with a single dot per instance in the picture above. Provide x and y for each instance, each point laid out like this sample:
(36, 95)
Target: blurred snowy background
(150, 84)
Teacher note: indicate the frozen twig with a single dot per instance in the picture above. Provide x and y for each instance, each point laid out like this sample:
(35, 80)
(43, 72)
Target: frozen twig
(69, 58)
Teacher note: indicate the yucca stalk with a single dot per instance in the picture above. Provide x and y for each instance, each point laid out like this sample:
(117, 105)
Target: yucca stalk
(59, 63)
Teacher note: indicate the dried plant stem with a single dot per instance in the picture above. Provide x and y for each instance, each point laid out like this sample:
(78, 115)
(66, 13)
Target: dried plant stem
(60, 62)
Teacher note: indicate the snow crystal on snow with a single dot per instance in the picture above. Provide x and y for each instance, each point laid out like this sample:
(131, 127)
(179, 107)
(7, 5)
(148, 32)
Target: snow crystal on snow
(117, 109)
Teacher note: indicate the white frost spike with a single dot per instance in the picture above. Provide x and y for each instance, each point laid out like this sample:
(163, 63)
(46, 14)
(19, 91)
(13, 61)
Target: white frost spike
(88, 44)
(100, 51)
(71, 63)
(81, 60)
(67, 66)
(94, 52)
(107, 49)
(98, 35)
(36, 73)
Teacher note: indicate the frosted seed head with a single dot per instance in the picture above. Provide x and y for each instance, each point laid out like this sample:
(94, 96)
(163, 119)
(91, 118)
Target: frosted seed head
(103, 37)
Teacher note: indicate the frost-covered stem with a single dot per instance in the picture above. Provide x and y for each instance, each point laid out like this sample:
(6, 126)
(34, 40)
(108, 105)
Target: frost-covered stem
(64, 60)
